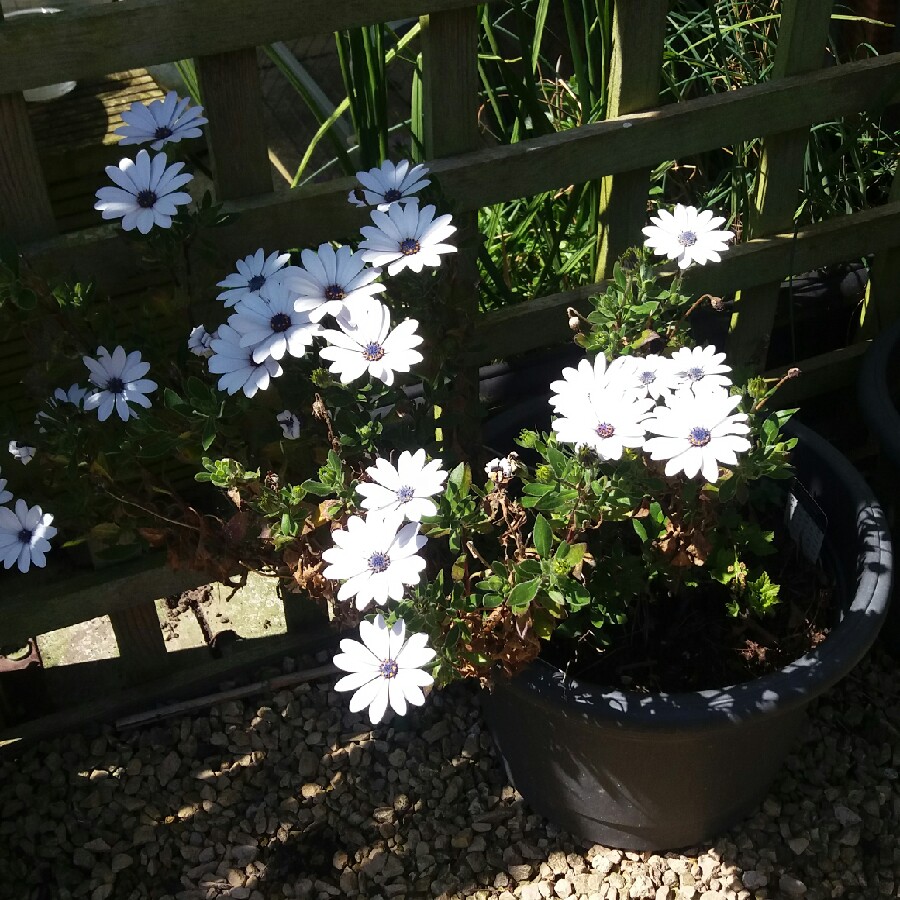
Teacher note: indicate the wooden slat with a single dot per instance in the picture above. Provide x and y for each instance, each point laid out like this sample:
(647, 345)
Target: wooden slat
(801, 48)
(233, 103)
(320, 212)
(882, 304)
(139, 637)
(823, 374)
(639, 31)
(31, 605)
(191, 671)
(83, 42)
(450, 118)
(542, 322)
(25, 212)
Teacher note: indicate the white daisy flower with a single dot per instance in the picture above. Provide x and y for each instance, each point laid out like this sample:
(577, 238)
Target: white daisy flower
(578, 384)
(687, 235)
(161, 121)
(375, 558)
(608, 422)
(698, 367)
(21, 452)
(272, 327)
(239, 371)
(24, 536)
(75, 395)
(119, 380)
(146, 192)
(406, 238)
(650, 376)
(253, 274)
(697, 432)
(389, 184)
(384, 668)
(290, 424)
(366, 343)
(199, 341)
(330, 280)
(5, 495)
(501, 468)
(404, 489)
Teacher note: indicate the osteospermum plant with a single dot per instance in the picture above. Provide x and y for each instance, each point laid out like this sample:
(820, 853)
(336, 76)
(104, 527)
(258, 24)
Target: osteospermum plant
(650, 480)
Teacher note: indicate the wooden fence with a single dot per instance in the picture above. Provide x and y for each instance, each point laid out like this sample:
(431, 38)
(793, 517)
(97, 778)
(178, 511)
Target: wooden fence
(222, 37)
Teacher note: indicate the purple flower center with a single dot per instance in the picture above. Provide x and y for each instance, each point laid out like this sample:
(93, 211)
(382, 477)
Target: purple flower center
(256, 282)
(687, 238)
(162, 132)
(379, 562)
(373, 351)
(699, 436)
(647, 377)
(392, 195)
(406, 493)
(280, 322)
(605, 430)
(409, 247)
(694, 374)
(388, 668)
(334, 292)
(115, 385)
(146, 199)
(24, 536)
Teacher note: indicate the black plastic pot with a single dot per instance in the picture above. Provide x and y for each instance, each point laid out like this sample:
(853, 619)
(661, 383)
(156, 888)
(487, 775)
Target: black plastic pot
(662, 771)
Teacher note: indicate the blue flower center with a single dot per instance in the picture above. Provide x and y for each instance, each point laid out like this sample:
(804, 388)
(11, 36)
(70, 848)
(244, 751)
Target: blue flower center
(373, 351)
(687, 238)
(699, 436)
(256, 282)
(409, 247)
(694, 374)
(392, 195)
(24, 536)
(406, 493)
(647, 377)
(115, 385)
(388, 668)
(162, 132)
(605, 430)
(280, 322)
(146, 199)
(334, 292)
(379, 562)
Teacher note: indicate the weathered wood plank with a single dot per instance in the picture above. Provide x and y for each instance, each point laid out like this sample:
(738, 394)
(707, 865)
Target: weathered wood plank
(639, 31)
(320, 212)
(542, 322)
(233, 103)
(82, 42)
(142, 647)
(35, 605)
(801, 48)
(823, 374)
(450, 117)
(25, 211)
(881, 307)
(189, 674)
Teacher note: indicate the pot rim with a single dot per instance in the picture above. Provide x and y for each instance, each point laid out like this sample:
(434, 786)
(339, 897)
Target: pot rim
(777, 693)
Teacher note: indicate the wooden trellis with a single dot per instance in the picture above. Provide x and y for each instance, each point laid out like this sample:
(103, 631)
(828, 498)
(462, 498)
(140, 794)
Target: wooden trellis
(222, 36)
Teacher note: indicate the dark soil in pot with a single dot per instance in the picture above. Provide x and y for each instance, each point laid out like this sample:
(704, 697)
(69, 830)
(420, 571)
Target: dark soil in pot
(653, 771)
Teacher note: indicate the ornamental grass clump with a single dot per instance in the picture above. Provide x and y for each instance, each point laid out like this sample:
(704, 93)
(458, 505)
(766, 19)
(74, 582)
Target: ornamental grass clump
(314, 463)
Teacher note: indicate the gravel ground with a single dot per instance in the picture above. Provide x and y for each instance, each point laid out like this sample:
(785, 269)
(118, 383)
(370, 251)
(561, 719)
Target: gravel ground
(290, 796)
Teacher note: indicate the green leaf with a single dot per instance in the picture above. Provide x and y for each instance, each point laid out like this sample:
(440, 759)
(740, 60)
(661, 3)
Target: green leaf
(522, 595)
(542, 537)
(461, 479)
(209, 433)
